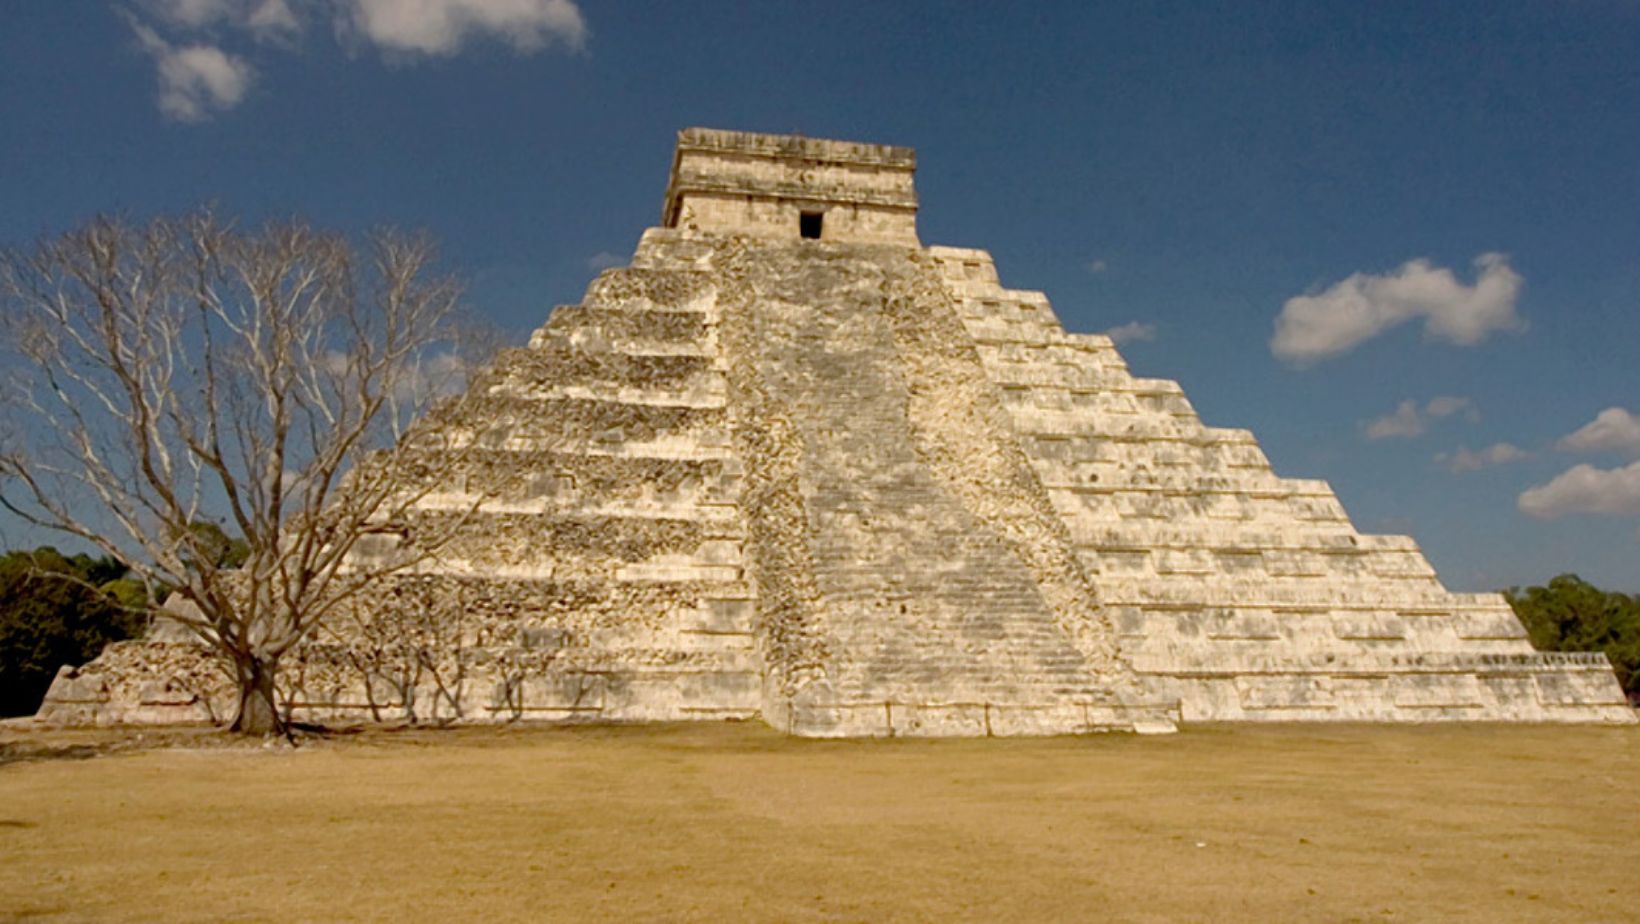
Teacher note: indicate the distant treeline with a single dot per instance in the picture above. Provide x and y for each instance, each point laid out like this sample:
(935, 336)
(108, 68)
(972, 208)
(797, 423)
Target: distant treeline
(1570, 614)
(57, 609)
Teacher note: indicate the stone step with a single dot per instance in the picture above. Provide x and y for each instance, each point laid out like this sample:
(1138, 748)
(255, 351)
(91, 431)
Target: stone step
(957, 691)
(1317, 631)
(1208, 513)
(988, 332)
(646, 289)
(999, 310)
(1283, 564)
(703, 446)
(1025, 400)
(1063, 350)
(713, 507)
(1107, 480)
(1270, 595)
(1213, 456)
(1370, 663)
(672, 571)
(553, 362)
(1072, 377)
(733, 615)
(1228, 538)
(588, 417)
(705, 390)
(619, 322)
(512, 475)
(703, 354)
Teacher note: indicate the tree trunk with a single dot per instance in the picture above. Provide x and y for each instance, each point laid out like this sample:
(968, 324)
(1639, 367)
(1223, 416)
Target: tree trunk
(258, 710)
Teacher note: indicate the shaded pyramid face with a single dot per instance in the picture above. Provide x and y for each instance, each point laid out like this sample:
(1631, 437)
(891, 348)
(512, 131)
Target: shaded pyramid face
(789, 463)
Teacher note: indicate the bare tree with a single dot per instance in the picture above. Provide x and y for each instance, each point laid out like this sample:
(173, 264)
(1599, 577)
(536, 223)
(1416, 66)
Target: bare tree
(187, 372)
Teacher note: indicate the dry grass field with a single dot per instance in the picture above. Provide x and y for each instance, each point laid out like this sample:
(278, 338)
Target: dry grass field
(733, 822)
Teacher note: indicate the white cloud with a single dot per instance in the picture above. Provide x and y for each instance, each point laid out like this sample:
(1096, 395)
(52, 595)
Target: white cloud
(1585, 489)
(440, 27)
(1466, 460)
(1409, 420)
(192, 14)
(199, 77)
(603, 260)
(1097, 266)
(1612, 429)
(262, 18)
(272, 17)
(1447, 405)
(1314, 327)
(196, 80)
(1406, 421)
(1131, 331)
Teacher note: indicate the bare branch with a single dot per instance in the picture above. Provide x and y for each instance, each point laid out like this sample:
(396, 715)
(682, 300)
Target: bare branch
(186, 372)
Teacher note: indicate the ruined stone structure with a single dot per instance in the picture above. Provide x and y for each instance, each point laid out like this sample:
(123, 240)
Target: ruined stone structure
(792, 464)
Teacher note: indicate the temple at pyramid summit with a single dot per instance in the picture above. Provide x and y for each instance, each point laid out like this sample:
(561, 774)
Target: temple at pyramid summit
(792, 464)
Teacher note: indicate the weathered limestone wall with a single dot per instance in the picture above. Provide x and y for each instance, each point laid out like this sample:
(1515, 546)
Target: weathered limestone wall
(772, 218)
(1246, 595)
(744, 183)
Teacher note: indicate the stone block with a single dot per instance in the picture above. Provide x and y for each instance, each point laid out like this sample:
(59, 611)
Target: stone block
(165, 693)
(554, 692)
(725, 614)
(1251, 626)
(1498, 625)
(1285, 692)
(1578, 688)
(1370, 627)
(73, 686)
(1431, 691)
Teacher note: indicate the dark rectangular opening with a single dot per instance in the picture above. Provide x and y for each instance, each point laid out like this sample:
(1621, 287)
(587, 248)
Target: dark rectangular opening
(808, 224)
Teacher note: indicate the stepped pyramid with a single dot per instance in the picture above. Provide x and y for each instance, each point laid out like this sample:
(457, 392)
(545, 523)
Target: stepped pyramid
(791, 463)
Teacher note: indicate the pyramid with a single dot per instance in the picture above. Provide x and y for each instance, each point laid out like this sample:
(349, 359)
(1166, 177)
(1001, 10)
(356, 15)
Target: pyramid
(792, 464)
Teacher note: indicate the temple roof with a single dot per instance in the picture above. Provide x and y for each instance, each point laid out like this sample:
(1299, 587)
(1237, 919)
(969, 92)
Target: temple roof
(789, 168)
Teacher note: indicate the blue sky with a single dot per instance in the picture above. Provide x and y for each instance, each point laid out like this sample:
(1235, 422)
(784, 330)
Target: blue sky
(1441, 201)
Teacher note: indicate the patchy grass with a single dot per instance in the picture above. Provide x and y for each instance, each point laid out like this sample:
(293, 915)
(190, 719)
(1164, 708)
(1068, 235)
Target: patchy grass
(734, 822)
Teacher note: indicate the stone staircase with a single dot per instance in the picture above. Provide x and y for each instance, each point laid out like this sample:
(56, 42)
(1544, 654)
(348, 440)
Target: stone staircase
(935, 625)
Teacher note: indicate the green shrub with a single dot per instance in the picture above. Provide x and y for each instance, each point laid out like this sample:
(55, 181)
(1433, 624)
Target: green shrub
(1570, 614)
(57, 610)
